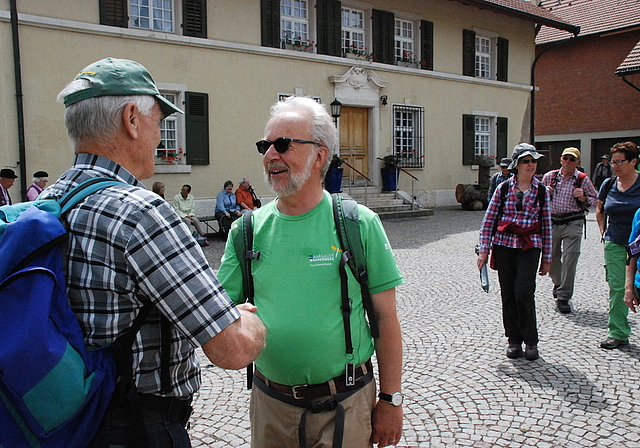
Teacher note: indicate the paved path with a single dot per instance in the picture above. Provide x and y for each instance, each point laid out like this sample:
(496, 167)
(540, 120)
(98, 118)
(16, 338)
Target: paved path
(460, 388)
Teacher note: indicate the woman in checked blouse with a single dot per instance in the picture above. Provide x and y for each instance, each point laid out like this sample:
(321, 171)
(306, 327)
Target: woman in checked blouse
(517, 228)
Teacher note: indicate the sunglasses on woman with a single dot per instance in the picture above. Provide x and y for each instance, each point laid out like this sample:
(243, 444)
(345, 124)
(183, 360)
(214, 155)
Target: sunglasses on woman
(281, 144)
(527, 161)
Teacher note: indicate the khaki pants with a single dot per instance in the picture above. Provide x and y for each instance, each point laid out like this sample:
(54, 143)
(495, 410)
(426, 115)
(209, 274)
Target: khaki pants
(274, 424)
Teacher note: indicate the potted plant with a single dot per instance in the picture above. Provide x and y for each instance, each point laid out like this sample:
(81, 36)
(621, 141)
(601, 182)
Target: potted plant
(333, 178)
(389, 172)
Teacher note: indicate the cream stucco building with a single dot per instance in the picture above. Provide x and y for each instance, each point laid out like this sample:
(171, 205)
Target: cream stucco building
(464, 90)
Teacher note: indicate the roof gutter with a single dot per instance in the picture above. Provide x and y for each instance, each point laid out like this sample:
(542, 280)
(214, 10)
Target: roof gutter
(573, 29)
(624, 78)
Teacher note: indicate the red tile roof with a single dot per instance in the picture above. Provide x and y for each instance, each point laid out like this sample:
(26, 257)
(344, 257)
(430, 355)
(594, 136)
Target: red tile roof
(631, 64)
(593, 16)
(524, 10)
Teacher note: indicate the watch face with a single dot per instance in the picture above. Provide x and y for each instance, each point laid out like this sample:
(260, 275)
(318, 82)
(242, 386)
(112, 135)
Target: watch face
(396, 399)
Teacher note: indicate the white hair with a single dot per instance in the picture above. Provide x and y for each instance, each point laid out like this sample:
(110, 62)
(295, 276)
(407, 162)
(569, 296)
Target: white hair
(98, 118)
(321, 125)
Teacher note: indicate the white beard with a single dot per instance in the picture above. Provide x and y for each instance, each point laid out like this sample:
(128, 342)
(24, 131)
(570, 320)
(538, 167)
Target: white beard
(294, 181)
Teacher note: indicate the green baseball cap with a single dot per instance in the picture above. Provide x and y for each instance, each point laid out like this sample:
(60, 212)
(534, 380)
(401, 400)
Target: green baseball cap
(119, 77)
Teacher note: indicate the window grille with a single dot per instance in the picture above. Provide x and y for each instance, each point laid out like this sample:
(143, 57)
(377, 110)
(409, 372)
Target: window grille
(408, 135)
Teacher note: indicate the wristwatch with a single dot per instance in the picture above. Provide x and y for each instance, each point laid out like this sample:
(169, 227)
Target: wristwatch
(395, 399)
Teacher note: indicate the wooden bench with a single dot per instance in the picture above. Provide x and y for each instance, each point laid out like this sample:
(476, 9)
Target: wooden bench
(213, 227)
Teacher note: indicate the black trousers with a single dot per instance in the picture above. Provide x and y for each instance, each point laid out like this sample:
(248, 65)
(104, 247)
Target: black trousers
(517, 271)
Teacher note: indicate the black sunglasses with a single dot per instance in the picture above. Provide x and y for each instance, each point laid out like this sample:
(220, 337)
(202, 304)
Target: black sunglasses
(519, 196)
(573, 159)
(281, 144)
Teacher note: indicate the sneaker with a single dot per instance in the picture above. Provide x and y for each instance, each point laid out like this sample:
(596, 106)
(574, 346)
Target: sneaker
(563, 306)
(531, 352)
(514, 351)
(612, 343)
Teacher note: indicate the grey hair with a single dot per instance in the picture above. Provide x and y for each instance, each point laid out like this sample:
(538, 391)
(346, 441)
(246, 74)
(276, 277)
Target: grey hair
(98, 118)
(321, 124)
(38, 179)
(243, 180)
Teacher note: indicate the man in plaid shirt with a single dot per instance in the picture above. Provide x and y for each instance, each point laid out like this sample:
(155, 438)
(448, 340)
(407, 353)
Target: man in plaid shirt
(572, 193)
(128, 247)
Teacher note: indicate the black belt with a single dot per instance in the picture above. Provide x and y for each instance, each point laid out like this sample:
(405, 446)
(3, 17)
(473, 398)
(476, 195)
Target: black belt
(154, 408)
(565, 218)
(310, 391)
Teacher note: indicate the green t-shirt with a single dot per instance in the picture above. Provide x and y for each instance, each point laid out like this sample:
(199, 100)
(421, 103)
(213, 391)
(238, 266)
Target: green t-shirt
(298, 295)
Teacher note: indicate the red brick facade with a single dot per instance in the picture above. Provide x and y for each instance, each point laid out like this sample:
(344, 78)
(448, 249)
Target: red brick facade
(579, 90)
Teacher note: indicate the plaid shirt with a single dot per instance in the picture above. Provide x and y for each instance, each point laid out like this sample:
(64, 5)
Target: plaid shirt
(128, 247)
(529, 216)
(562, 200)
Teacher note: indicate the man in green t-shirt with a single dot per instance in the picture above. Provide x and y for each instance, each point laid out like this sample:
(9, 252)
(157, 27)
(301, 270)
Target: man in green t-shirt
(299, 297)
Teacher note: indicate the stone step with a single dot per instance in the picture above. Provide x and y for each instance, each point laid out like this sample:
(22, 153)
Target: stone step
(406, 214)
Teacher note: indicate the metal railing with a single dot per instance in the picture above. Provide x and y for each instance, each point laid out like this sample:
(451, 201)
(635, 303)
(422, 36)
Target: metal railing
(413, 179)
(351, 179)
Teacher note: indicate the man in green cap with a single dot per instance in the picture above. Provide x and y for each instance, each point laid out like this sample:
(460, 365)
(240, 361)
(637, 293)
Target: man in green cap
(128, 247)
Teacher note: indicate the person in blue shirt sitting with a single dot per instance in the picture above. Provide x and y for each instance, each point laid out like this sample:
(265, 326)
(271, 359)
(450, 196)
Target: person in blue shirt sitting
(227, 208)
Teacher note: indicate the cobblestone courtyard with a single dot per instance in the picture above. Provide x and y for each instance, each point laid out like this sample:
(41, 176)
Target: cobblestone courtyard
(460, 388)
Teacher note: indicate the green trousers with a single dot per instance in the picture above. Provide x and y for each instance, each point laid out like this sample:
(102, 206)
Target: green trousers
(615, 257)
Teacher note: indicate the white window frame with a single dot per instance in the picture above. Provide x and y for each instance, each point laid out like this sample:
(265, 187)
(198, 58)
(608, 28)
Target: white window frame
(486, 55)
(153, 7)
(295, 23)
(485, 130)
(354, 36)
(405, 41)
(178, 162)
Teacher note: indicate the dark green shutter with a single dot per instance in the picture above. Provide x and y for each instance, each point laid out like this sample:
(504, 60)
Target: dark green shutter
(270, 23)
(426, 37)
(197, 128)
(503, 59)
(114, 13)
(194, 16)
(383, 25)
(468, 139)
(468, 53)
(501, 131)
(329, 27)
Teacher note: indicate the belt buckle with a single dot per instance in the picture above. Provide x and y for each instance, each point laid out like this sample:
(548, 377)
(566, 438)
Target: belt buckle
(294, 391)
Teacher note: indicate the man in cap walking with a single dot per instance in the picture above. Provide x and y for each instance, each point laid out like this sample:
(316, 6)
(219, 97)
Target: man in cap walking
(572, 193)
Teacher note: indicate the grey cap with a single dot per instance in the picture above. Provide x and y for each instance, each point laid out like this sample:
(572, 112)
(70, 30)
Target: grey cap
(505, 162)
(521, 150)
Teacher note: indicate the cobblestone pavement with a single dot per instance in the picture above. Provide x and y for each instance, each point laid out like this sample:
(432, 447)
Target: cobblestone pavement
(460, 388)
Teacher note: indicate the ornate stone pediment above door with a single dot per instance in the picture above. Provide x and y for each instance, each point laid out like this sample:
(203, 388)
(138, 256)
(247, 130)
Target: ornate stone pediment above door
(358, 86)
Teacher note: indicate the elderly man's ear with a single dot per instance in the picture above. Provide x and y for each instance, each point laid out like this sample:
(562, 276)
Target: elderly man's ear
(131, 120)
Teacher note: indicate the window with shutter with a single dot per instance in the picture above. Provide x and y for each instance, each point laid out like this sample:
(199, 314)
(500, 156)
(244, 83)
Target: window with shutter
(270, 26)
(383, 29)
(194, 17)
(114, 13)
(503, 59)
(468, 53)
(426, 37)
(197, 128)
(483, 135)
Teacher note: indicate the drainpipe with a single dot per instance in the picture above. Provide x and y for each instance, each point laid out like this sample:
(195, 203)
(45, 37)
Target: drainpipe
(624, 78)
(532, 118)
(19, 107)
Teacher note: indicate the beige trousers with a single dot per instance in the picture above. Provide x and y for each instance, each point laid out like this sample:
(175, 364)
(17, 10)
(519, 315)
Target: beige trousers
(274, 424)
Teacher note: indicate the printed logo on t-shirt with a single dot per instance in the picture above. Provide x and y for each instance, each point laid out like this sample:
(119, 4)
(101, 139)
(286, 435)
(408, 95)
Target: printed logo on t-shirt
(325, 259)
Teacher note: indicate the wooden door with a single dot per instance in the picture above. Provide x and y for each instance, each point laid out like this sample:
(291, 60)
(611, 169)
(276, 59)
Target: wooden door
(354, 142)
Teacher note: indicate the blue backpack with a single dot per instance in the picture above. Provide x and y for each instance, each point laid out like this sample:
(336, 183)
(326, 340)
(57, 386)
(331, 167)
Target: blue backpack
(52, 392)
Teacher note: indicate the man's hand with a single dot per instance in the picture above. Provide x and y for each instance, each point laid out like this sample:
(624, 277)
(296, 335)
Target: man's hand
(544, 268)
(631, 299)
(387, 424)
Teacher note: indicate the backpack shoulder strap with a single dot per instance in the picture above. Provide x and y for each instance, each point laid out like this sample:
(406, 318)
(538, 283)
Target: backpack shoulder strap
(84, 189)
(345, 214)
(243, 244)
